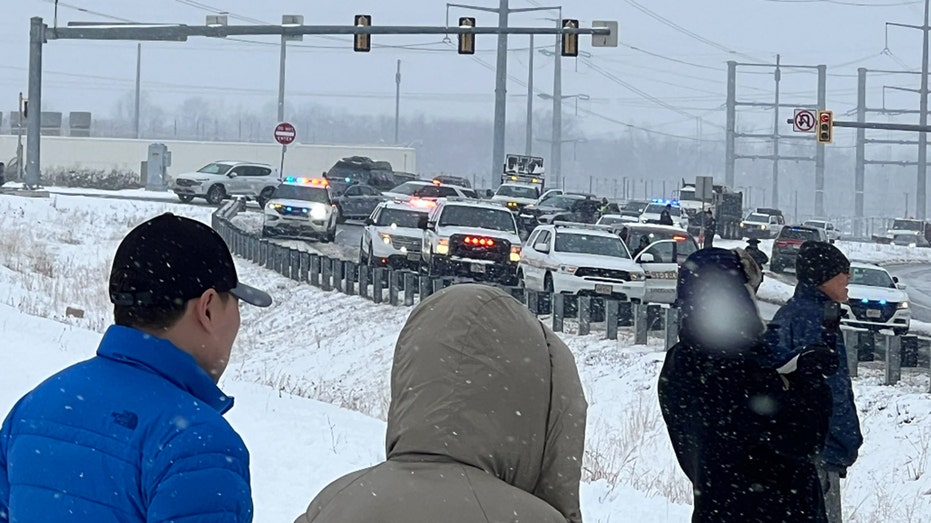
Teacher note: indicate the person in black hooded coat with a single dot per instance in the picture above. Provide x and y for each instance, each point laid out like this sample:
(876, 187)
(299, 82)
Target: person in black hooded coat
(745, 433)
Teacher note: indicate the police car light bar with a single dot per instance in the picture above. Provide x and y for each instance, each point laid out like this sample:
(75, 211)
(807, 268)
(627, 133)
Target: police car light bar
(674, 203)
(311, 181)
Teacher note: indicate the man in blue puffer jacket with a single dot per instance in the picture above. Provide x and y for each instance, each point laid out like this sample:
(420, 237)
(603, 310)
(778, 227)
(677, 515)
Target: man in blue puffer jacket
(823, 273)
(136, 433)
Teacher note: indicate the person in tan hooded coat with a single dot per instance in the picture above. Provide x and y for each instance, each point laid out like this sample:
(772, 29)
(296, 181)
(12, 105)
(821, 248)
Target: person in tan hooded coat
(486, 422)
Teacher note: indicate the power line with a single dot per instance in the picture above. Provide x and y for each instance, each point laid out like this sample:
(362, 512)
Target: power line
(685, 31)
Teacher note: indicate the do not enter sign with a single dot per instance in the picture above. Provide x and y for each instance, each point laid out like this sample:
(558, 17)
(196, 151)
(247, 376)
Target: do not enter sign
(285, 133)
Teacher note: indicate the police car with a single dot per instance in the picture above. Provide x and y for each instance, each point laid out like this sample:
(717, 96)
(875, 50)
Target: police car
(301, 207)
(517, 195)
(573, 258)
(470, 238)
(876, 300)
(652, 212)
(392, 235)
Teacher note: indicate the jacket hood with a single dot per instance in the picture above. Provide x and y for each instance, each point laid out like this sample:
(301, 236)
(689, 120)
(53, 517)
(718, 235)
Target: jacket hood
(479, 380)
(717, 307)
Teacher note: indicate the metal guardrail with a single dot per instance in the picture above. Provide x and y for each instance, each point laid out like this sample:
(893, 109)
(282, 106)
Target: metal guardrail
(405, 288)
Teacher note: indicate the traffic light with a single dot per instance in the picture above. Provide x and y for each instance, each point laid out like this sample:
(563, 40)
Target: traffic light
(362, 43)
(466, 40)
(825, 126)
(570, 42)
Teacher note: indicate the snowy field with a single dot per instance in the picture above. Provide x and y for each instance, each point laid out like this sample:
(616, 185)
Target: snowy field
(310, 377)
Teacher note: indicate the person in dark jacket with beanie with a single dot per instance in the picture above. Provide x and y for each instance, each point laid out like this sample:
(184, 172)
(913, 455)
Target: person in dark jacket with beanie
(823, 273)
(745, 434)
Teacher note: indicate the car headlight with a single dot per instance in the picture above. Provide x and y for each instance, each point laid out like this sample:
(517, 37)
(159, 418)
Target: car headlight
(442, 246)
(741, 224)
(762, 227)
(568, 269)
(637, 276)
(318, 212)
(385, 238)
(903, 305)
(913, 245)
(515, 254)
(201, 180)
(643, 220)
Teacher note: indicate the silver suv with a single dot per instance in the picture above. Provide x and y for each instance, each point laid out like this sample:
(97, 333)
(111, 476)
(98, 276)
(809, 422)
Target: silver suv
(220, 180)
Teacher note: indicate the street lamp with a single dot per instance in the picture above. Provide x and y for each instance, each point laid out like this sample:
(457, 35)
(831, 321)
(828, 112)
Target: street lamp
(577, 97)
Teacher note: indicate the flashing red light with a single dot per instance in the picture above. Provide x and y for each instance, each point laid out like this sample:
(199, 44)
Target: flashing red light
(479, 242)
(678, 238)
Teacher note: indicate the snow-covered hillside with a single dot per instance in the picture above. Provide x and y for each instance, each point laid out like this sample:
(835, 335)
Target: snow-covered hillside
(55, 253)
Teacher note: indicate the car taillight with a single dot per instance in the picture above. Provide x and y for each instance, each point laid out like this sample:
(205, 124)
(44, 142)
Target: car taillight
(478, 241)
(782, 244)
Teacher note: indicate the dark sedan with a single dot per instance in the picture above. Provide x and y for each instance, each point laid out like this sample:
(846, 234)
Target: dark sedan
(357, 202)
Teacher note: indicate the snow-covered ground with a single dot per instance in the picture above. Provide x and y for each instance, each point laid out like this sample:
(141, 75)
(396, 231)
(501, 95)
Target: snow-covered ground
(311, 377)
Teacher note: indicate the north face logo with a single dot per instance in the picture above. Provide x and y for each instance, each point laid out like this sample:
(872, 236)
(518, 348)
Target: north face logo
(126, 419)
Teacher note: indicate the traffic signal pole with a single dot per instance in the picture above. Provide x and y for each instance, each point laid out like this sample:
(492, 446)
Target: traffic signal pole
(39, 34)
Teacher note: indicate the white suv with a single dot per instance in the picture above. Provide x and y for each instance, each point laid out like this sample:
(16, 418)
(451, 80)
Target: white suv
(301, 207)
(572, 258)
(392, 235)
(876, 300)
(434, 189)
(472, 239)
(829, 229)
(218, 181)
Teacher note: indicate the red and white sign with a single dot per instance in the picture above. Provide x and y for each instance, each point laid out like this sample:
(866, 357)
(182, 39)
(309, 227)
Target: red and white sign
(804, 121)
(285, 133)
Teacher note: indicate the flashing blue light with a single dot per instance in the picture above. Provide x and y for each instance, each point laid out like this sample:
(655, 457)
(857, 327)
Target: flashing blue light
(305, 211)
(882, 302)
(290, 179)
(289, 208)
(864, 300)
(674, 203)
(348, 180)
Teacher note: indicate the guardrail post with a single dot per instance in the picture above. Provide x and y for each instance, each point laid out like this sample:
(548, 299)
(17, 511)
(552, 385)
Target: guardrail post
(365, 276)
(281, 260)
(409, 289)
(640, 323)
(532, 299)
(425, 286)
(294, 263)
(559, 311)
(671, 330)
(338, 274)
(326, 273)
(909, 350)
(585, 315)
(438, 285)
(611, 309)
(393, 287)
(305, 266)
(893, 359)
(315, 270)
(350, 270)
(378, 277)
(260, 253)
(851, 343)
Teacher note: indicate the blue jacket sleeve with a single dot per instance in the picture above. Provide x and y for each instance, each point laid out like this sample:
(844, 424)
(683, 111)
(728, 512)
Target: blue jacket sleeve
(201, 475)
(4, 479)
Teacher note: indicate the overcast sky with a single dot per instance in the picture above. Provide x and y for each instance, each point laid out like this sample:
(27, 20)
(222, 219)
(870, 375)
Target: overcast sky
(669, 71)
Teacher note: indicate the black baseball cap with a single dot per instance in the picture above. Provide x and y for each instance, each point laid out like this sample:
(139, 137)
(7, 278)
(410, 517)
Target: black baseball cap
(170, 259)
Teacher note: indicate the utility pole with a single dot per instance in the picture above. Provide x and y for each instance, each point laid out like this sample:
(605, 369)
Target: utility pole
(859, 176)
(138, 82)
(731, 124)
(281, 68)
(501, 85)
(397, 102)
(556, 151)
(775, 195)
(922, 181)
(33, 119)
(921, 197)
(529, 134)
